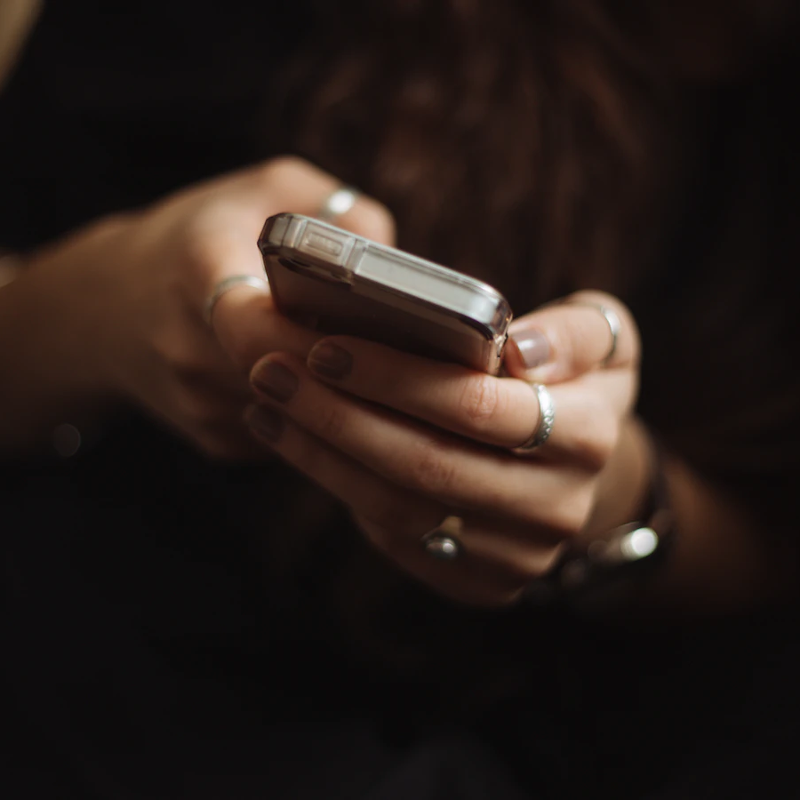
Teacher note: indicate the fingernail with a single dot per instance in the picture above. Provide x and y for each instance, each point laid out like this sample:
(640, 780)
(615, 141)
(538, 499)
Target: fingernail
(329, 361)
(265, 423)
(275, 381)
(533, 346)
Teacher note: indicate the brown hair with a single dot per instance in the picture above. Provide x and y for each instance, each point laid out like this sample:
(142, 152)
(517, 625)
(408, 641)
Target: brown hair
(537, 144)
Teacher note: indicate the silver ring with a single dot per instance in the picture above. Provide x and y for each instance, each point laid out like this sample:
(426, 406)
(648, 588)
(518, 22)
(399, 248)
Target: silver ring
(547, 417)
(442, 542)
(226, 285)
(337, 203)
(614, 326)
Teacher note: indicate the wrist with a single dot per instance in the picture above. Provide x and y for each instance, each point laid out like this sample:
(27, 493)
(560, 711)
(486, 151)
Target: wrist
(50, 384)
(605, 567)
(713, 557)
(624, 489)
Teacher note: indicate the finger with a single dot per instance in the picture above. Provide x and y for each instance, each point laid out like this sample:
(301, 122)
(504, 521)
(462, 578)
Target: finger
(220, 439)
(226, 250)
(364, 492)
(477, 577)
(207, 414)
(498, 411)
(449, 469)
(513, 554)
(250, 326)
(561, 341)
(290, 184)
(396, 521)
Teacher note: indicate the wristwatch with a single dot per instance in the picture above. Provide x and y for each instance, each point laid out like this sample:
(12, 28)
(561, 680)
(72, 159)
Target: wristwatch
(594, 576)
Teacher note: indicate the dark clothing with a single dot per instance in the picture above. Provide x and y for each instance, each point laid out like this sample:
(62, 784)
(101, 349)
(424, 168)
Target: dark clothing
(149, 647)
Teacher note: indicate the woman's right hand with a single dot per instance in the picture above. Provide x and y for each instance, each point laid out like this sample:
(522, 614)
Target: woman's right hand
(130, 292)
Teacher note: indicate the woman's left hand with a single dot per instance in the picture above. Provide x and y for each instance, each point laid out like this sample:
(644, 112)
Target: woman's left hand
(406, 442)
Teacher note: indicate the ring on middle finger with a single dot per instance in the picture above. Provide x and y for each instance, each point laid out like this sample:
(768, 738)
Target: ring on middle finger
(443, 543)
(337, 204)
(544, 427)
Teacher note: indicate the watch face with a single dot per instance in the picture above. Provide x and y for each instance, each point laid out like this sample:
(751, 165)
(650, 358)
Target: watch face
(593, 575)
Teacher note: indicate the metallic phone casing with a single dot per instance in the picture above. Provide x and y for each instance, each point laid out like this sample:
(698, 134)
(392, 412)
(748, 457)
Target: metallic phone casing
(349, 285)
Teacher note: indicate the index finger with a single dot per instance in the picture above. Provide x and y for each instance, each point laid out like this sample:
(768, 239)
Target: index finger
(564, 340)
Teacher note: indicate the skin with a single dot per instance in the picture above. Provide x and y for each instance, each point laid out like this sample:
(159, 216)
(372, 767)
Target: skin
(406, 441)
(112, 317)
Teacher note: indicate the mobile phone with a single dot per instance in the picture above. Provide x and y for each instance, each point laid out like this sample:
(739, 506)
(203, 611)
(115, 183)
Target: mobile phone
(346, 284)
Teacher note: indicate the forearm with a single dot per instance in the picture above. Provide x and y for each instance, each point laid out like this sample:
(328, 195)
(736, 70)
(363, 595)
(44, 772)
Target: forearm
(10, 266)
(719, 558)
(44, 381)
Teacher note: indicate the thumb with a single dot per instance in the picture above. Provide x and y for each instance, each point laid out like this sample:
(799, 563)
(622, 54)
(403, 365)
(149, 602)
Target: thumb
(566, 339)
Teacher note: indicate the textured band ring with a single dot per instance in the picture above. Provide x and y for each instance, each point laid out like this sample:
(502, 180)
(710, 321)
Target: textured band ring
(337, 203)
(547, 418)
(226, 285)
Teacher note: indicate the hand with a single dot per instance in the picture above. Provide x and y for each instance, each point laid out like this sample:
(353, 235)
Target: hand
(405, 442)
(133, 289)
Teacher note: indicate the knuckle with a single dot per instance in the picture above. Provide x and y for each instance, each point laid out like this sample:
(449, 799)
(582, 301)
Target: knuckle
(179, 357)
(332, 422)
(605, 441)
(572, 514)
(246, 332)
(241, 353)
(242, 349)
(187, 359)
(200, 414)
(192, 378)
(282, 167)
(202, 249)
(563, 343)
(480, 401)
(431, 469)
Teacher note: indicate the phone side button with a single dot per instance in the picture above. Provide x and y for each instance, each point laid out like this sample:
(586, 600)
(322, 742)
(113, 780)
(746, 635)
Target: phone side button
(333, 250)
